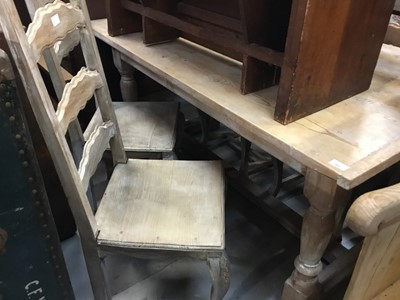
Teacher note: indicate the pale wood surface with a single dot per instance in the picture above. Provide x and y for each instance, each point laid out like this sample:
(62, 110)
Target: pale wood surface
(51, 24)
(378, 265)
(376, 215)
(375, 209)
(144, 126)
(93, 151)
(392, 292)
(362, 133)
(76, 94)
(65, 46)
(164, 204)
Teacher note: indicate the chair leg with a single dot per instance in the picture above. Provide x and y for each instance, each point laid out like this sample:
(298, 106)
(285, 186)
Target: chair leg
(219, 269)
(96, 270)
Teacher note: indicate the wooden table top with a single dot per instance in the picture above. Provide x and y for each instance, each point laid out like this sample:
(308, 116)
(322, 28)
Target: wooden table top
(350, 141)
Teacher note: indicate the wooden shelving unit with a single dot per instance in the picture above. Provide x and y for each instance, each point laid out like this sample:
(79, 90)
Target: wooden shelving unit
(318, 52)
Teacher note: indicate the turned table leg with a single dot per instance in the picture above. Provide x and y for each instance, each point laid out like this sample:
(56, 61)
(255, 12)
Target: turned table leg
(318, 226)
(128, 83)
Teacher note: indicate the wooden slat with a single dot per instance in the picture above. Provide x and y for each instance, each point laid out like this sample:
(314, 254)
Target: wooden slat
(209, 16)
(64, 47)
(93, 151)
(76, 94)
(51, 24)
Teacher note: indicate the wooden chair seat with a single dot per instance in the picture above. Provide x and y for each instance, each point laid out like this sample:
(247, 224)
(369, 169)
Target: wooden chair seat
(144, 126)
(164, 204)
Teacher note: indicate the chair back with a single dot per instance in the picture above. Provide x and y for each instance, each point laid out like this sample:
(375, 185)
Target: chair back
(376, 216)
(52, 23)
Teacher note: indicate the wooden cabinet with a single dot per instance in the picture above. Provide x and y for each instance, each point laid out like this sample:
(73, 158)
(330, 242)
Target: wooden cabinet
(318, 52)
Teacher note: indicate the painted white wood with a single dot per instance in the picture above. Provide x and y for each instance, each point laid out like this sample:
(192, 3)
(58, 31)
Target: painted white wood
(93, 151)
(75, 96)
(65, 46)
(52, 23)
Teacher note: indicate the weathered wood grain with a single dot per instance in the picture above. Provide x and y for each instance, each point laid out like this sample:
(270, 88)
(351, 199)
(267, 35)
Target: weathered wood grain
(51, 24)
(376, 215)
(75, 96)
(95, 146)
(341, 133)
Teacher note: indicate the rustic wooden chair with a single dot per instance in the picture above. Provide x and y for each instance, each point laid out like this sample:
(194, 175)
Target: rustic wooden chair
(152, 135)
(155, 207)
(376, 216)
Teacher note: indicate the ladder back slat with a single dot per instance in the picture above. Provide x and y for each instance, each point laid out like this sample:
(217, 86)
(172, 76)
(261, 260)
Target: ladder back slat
(93, 151)
(75, 96)
(64, 47)
(52, 23)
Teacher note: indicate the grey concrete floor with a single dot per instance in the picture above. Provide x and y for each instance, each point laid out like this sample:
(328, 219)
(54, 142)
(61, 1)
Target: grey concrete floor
(260, 263)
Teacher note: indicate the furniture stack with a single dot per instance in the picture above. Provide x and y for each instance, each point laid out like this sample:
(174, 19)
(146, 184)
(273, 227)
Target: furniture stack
(318, 52)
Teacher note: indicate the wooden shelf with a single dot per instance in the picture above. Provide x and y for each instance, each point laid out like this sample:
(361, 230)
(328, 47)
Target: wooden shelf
(318, 52)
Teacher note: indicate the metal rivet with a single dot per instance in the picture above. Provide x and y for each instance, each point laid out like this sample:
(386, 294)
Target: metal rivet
(34, 192)
(25, 163)
(18, 136)
(30, 179)
(12, 119)
(22, 151)
(8, 104)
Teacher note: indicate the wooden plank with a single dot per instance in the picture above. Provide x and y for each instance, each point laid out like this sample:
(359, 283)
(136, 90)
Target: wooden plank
(154, 31)
(120, 20)
(209, 16)
(189, 193)
(333, 141)
(353, 45)
(258, 17)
